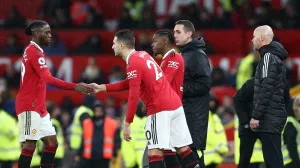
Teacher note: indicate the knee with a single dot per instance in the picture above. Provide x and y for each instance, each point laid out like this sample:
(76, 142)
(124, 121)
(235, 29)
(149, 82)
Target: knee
(155, 152)
(29, 144)
(182, 149)
(50, 141)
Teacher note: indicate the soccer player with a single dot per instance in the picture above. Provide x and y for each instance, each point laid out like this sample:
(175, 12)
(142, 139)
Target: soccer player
(166, 124)
(173, 67)
(34, 120)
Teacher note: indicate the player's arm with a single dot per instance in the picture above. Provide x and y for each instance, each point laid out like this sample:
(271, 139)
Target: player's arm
(169, 71)
(39, 64)
(134, 91)
(118, 86)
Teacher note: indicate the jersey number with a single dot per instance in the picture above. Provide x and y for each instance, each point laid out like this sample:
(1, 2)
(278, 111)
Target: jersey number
(156, 69)
(22, 71)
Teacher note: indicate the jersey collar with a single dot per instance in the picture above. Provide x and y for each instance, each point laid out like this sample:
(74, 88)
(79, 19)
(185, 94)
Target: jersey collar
(36, 45)
(129, 55)
(172, 50)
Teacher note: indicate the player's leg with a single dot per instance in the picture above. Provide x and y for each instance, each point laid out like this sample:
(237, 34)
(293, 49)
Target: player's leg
(48, 135)
(29, 133)
(170, 159)
(158, 137)
(181, 138)
(155, 156)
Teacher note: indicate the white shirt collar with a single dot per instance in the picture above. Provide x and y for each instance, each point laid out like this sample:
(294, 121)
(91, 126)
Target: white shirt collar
(36, 45)
(166, 54)
(129, 55)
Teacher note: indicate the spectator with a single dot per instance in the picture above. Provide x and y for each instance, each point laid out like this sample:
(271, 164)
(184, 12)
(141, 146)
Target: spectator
(111, 109)
(12, 46)
(289, 16)
(56, 47)
(125, 21)
(116, 75)
(93, 45)
(12, 77)
(218, 77)
(60, 19)
(93, 20)
(205, 19)
(144, 43)
(135, 8)
(92, 73)
(148, 20)
(14, 19)
(49, 6)
(222, 19)
(79, 11)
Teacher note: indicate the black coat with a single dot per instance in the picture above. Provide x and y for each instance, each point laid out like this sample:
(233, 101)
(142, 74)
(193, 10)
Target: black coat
(270, 82)
(243, 104)
(196, 87)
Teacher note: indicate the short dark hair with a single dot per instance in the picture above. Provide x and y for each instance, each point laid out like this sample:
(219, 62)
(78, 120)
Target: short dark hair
(168, 33)
(188, 25)
(127, 37)
(33, 26)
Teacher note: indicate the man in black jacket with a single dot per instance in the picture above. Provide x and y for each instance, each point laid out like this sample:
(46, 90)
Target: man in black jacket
(243, 106)
(269, 114)
(196, 86)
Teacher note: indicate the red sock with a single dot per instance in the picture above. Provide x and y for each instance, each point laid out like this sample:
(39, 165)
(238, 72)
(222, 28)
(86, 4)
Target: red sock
(25, 157)
(189, 158)
(48, 156)
(156, 161)
(171, 160)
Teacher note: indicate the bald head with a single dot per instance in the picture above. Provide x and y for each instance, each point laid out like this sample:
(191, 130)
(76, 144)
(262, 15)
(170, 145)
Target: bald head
(265, 30)
(263, 35)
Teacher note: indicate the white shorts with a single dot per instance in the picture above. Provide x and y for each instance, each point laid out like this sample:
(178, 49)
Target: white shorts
(34, 127)
(167, 130)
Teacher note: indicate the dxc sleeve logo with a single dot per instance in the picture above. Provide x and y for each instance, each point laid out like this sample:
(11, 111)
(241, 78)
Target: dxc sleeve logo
(131, 74)
(173, 64)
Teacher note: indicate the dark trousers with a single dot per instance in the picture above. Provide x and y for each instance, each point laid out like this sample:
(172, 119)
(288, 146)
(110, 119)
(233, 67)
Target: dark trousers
(247, 141)
(200, 159)
(271, 147)
(6, 164)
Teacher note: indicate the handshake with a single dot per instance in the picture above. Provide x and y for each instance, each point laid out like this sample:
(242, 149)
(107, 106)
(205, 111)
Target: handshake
(90, 89)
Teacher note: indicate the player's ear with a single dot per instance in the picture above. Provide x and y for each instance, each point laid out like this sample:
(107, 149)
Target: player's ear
(189, 33)
(164, 41)
(121, 45)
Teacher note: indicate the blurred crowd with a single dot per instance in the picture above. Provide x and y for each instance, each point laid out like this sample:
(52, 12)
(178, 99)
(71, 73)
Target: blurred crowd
(138, 14)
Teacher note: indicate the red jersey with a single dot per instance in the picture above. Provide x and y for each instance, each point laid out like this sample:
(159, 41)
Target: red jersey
(34, 77)
(147, 81)
(173, 67)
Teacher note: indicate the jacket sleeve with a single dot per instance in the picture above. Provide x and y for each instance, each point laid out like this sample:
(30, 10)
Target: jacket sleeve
(269, 74)
(290, 139)
(240, 101)
(200, 71)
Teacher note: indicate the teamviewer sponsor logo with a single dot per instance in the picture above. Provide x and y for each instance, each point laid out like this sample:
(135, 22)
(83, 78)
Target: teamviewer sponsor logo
(131, 74)
(173, 64)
